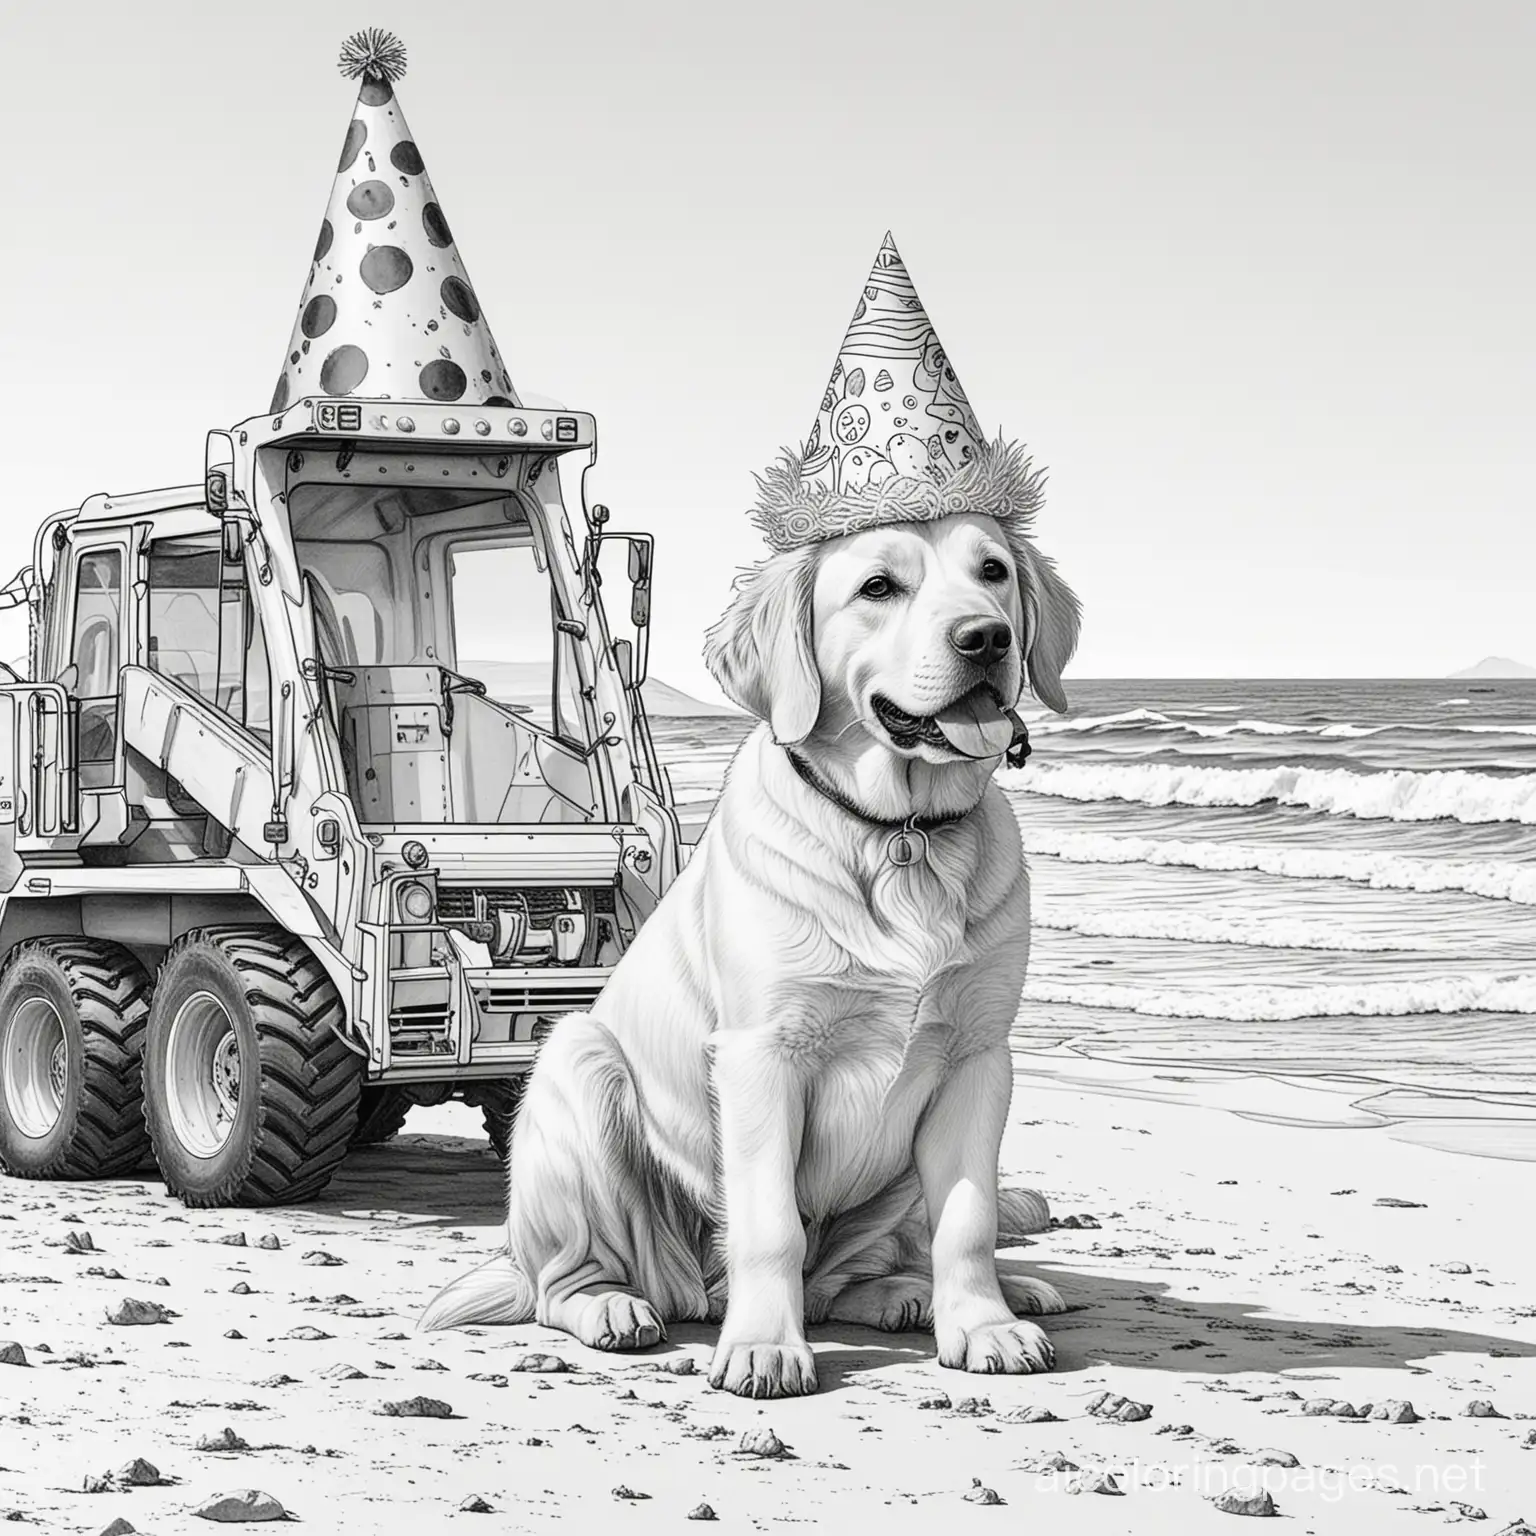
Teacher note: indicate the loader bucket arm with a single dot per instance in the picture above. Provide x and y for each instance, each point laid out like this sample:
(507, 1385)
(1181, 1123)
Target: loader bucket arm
(221, 766)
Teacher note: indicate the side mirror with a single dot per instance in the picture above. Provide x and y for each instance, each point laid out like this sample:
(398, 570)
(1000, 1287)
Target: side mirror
(636, 648)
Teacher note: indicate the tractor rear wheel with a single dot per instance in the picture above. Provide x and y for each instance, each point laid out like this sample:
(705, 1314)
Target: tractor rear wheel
(250, 1095)
(72, 1019)
(381, 1114)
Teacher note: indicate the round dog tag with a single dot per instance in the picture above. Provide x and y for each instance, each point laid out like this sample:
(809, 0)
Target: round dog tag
(906, 846)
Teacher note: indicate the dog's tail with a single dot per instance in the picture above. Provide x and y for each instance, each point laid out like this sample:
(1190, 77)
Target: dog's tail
(1019, 1213)
(495, 1292)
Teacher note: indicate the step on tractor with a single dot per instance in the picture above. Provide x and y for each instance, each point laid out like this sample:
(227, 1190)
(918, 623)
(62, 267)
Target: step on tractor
(329, 792)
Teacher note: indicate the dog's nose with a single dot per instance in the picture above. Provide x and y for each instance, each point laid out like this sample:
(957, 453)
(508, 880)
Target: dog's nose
(982, 639)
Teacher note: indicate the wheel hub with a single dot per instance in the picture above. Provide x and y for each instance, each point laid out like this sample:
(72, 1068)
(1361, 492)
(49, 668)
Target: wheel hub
(34, 1073)
(203, 1070)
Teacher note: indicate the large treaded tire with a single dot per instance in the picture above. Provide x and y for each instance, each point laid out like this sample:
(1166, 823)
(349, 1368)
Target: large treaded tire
(381, 1114)
(497, 1099)
(91, 998)
(290, 1087)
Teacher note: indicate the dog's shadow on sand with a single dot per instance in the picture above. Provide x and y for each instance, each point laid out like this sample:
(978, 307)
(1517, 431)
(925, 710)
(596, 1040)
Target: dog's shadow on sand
(455, 1181)
(1132, 1321)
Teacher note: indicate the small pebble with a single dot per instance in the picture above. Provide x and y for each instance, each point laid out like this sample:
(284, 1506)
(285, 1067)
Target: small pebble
(138, 1473)
(1108, 1405)
(1275, 1459)
(475, 1505)
(1481, 1408)
(536, 1362)
(130, 1312)
(763, 1444)
(270, 1241)
(702, 1512)
(225, 1440)
(623, 1492)
(1099, 1482)
(1241, 1501)
(417, 1408)
(246, 1504)
(979, 1494)
(11, 1353)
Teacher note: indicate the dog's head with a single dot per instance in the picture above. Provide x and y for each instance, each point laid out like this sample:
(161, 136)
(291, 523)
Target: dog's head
(888, 629)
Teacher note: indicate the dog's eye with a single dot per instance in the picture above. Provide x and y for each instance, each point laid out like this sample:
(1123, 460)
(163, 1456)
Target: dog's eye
(877, 587)
(994, 570)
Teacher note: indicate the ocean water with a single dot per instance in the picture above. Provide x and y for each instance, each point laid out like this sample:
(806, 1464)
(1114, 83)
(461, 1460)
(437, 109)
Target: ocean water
(1332, 880)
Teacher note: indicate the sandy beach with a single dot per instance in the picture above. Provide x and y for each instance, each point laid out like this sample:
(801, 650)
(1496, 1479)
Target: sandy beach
(1226, 1273)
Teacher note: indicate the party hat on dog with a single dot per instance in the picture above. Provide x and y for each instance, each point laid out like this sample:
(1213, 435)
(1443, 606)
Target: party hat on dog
(895, 439)
(388, 312)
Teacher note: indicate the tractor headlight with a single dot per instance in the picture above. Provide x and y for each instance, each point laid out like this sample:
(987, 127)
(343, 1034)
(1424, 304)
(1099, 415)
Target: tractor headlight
(415, 901)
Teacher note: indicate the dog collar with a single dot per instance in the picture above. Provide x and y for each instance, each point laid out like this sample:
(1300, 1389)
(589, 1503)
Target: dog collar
(908, 841)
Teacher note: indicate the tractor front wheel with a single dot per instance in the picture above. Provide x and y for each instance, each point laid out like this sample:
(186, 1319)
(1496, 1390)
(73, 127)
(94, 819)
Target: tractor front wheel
(250, 1095)
(72, 1017)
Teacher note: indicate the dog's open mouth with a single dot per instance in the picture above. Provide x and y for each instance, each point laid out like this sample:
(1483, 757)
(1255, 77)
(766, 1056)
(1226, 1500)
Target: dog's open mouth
(974, 725)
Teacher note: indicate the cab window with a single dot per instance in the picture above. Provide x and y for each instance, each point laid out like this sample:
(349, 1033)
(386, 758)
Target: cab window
(98, 627)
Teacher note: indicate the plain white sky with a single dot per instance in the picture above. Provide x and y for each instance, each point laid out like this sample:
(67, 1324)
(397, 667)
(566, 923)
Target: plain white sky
(1254, 280)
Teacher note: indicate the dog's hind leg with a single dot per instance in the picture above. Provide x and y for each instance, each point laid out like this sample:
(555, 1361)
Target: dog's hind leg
(904, 1303)
(611, 1244)
(1027, 1297)
(894, 1303)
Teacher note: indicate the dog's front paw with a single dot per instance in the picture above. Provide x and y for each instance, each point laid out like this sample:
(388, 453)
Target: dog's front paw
(996, 1349)
(616, 1320)
(764, 1370)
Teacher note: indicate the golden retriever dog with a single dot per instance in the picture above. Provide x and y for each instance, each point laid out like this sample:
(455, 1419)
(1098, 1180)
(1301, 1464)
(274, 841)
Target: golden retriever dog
(787, 1106)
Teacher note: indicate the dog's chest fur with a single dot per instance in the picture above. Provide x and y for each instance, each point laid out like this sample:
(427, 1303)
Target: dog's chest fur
(890, 1019)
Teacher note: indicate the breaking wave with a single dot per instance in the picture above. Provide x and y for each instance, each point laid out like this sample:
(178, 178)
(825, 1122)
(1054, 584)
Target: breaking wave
(1342, 730)
(1500, 881)
(1252, 1004)
(1401, 795)
(1196, 928)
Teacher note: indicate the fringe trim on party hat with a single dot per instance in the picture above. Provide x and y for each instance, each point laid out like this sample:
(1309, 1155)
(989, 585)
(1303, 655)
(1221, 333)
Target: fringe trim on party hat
(1001, 483)
(373, 54)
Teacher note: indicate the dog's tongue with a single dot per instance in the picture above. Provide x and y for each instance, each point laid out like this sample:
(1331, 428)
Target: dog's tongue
(975, 726)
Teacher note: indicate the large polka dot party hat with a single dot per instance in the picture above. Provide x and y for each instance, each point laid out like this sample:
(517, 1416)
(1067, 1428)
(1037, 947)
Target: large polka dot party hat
(895, 439)
(388, 312)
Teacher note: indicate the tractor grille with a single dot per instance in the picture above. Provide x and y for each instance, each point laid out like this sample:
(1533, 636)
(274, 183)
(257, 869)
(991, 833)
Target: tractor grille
(456, 903)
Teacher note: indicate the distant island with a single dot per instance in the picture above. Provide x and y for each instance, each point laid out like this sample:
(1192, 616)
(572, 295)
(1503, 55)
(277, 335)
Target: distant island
(1497, 666)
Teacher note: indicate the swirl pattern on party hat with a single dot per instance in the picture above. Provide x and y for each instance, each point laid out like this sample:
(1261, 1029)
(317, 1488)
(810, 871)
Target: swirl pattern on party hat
(388, 311)
(896, 440)
(893, 407)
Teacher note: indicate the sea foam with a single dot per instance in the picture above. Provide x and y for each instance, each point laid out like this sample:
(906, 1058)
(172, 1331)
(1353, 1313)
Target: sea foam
(1499, 880)
(1252, 1004)
(1196, 927)
(1401, 795)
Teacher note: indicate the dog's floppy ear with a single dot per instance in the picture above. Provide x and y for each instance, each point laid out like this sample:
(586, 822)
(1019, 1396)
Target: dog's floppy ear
(1052, 612)
(761, 650)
